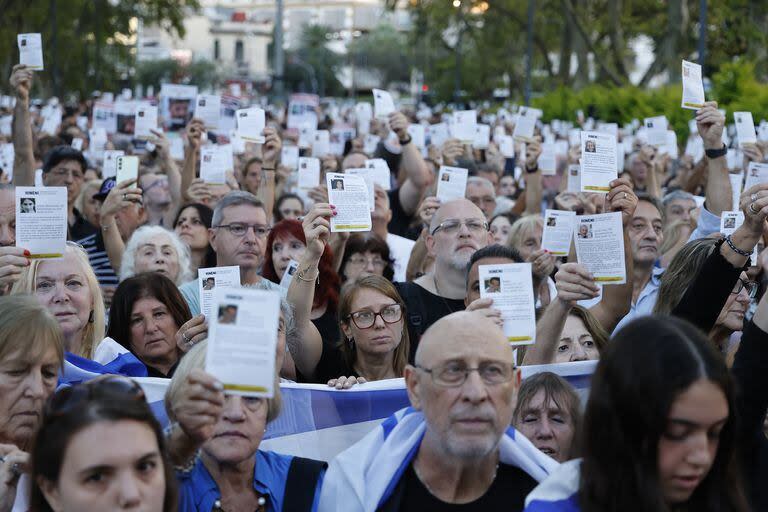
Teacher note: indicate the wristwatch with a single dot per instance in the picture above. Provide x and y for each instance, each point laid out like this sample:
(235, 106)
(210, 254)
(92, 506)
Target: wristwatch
(716, 153)
(405, 141)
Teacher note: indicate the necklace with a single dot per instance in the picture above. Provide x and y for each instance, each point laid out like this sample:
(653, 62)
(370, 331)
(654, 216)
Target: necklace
(425, 484)
(437, 290)
(259, 507)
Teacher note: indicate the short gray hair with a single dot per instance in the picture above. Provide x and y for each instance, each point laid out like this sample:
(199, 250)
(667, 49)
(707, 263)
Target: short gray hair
(675, 195)
(479, 180)
(234, 198)
(139, 237)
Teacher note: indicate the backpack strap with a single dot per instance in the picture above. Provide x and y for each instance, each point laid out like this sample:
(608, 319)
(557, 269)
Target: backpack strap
(300, 484)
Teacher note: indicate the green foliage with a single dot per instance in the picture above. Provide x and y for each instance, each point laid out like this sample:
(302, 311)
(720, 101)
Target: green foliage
(201, 73)
(313, 64)
(734, 87)
(86, 43)
(384, 51)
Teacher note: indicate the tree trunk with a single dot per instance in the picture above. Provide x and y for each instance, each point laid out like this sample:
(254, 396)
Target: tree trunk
(566, 49)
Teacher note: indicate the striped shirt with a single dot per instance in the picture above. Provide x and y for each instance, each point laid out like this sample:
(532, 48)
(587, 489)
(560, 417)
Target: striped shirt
(97, 256)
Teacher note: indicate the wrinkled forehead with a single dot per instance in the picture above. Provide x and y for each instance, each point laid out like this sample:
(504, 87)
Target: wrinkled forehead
(459, 209)
(246, 213)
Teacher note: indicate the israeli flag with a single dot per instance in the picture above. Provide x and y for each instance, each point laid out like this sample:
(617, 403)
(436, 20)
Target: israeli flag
(559, 492)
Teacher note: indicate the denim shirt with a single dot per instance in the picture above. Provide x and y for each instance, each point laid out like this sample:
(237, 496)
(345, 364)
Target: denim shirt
(198, 491)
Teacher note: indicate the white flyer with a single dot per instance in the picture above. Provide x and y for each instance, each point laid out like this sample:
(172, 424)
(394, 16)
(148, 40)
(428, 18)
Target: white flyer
(464, 125)
(548, 159)
(482, 136)
(306, 136)
(510, 286)
(209, 279)
(438, 134)
(599, 243)
(363, 116)
(250, 124)
(418, 135)
(383, 104)
(146, 120)
(451, 183)
(104, 117)
(745, 128)
(507, 146)
(693, 86)
(309, 172)
(737, 180)
(365, 173)
(214, 164)
(127, 168)
(31, 50)
(285, 281)
(208, 110)
(598, 161)
(321, 143)
(756, 174)
(41, 220)
(109, 168)
(558, 231)
(349, 194)
(656, 130)
(379, 171)
(370, 142)
(289, 156)
(525, 124)
(242, 340)
(77, 143)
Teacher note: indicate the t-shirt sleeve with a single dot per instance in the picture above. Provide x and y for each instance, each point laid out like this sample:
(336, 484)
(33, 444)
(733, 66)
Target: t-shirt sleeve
(190, 293)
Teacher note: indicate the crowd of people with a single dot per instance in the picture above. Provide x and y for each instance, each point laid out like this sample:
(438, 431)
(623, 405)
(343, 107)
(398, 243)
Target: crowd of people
(676, 409)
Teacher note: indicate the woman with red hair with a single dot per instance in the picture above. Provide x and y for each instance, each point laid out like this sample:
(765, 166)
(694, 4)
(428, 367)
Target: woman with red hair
(286, 242)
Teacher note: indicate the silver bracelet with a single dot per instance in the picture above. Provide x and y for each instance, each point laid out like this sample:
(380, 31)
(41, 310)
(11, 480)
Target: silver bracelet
(736, 249)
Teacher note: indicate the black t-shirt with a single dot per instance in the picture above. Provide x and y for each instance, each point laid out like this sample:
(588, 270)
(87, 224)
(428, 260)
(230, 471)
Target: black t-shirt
(400, 223)
(423, 309)
(507, 492)
(81, 228)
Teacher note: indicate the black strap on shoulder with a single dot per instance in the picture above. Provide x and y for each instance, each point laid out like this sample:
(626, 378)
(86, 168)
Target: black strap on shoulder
(417, 311)
(301, 483)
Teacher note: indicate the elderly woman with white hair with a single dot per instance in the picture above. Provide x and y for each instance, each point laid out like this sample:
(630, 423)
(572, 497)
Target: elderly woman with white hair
(156, 249)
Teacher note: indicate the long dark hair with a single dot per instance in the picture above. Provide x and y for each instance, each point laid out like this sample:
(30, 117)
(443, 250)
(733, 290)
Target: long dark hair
(141, 286)
(206, 216)
(56, 432)
(360, 243)
(646, 366)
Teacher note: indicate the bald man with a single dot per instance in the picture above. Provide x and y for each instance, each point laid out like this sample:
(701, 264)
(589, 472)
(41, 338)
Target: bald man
(461, 457)
(457, 230)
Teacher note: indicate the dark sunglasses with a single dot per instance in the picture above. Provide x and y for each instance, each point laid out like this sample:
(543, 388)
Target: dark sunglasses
(104, 386)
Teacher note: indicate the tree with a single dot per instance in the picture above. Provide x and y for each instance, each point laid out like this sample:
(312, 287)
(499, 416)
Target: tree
(313, 67)
(86, 43)
(383, 51)
(201, 73)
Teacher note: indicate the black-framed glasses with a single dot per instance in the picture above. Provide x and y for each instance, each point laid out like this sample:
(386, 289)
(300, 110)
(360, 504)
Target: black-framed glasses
(239, 229)
(365, 318)
(454, 373)
(452, 226)
(751, 287)
(104, 386)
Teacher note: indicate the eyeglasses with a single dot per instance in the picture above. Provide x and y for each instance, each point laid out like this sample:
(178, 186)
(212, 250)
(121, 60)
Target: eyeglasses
(105, 386)
(454, 373)
(751, 287)
(360, 261)
(365, 319)
(452, 226)
(239, 229)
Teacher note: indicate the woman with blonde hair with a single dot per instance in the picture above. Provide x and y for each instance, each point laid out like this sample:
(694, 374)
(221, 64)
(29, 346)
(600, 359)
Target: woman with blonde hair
(68, 288)
(525, 236)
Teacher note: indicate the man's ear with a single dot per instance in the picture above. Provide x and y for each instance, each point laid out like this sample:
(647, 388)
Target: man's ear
(429, 243)
(212, 238)
(412, 386)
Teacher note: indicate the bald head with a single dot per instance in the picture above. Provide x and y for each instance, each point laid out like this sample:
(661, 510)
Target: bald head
(464, 332)
(456, 209)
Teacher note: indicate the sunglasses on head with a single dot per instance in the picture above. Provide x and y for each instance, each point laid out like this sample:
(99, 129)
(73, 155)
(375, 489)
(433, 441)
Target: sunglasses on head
(105, 386)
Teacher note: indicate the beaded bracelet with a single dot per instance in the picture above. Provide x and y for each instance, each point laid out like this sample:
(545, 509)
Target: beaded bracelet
(736, 249)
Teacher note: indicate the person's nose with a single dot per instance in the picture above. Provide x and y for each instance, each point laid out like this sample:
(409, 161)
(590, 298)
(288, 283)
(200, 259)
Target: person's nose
(60, 293)
(473, 389)
(128, 491)
(699, 454)
(233, 409)
(369, 266)
(150, 325)
(33, 385)
(743, 296)
(544, 429)
(7, 235)
(577, 352)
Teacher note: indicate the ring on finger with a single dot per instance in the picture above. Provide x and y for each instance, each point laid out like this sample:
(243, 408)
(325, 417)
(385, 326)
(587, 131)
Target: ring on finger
(185, 337)
(754, 197)
(752, 209)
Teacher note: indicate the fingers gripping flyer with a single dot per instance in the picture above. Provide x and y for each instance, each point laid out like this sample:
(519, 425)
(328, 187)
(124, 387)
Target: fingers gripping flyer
(349, 194)
(242, 340)
(600, 246)
(511, 288)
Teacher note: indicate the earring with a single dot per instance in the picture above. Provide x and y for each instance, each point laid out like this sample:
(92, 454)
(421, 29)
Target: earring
(351, 342)
(90, 317)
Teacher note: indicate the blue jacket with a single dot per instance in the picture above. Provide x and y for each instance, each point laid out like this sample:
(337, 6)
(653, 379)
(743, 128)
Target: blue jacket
(198, 491)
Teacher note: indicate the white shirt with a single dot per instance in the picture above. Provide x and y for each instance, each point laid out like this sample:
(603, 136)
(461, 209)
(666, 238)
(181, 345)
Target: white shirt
(400, 251)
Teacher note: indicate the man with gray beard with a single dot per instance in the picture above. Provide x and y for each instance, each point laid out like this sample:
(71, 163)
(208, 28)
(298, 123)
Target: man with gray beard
(457, 230)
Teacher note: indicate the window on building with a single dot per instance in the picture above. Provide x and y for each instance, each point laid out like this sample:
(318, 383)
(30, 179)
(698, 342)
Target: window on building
(239, 51)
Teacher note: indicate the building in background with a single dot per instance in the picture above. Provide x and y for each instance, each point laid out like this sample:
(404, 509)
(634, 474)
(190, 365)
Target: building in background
(237, 34)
